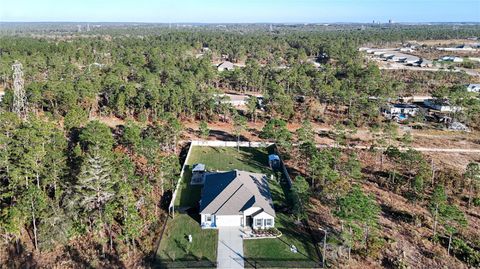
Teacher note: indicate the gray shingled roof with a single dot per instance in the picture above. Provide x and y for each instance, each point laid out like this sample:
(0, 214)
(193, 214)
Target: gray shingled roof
(230, 193)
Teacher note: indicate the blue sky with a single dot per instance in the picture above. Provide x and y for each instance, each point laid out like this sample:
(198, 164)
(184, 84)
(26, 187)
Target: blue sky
(216, 11)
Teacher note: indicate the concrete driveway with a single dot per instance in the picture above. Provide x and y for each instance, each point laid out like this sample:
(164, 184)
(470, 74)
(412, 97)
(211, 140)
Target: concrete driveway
(230, 248)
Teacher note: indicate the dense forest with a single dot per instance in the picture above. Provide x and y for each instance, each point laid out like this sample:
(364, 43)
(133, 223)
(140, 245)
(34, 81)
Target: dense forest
(72, 185)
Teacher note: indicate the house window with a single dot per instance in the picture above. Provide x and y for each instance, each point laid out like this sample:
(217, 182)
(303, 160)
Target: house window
(208, 218)
(258, 222)
(268, 222)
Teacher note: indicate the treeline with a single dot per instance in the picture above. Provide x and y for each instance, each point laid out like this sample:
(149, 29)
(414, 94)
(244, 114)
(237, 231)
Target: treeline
(84, 183)
(145, 77)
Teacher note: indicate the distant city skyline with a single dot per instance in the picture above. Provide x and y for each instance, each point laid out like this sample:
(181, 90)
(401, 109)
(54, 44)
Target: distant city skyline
(244, 11)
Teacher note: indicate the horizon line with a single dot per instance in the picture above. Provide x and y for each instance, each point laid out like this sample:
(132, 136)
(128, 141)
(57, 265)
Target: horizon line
(265, 22)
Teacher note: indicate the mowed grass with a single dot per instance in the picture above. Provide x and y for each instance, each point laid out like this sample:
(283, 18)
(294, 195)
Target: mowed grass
(274, 252)
(219, 159)
(277, 250)
(260, 251)
(175, 246)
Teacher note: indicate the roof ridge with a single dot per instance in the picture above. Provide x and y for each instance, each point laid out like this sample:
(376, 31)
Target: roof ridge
(230, 197)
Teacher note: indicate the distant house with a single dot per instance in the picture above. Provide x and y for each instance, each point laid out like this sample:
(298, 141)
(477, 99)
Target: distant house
(458, 48)
(442, 105)
(408, 109)
(236, 199)
(399, 58)
(425, 63)
(387, 55)
(454, 59)
(400, 112)
(411, 60)
(473, 88)
(225, 66)
(406, 49)
(464, 47)
(234, 99)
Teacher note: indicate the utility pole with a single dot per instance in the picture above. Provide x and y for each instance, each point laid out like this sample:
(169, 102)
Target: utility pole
(19, 97)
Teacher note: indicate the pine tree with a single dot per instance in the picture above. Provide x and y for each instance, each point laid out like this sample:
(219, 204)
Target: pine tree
(437, 202)
(359, 212)
(252, 108)
(94, 190)
(300, 193)
(473, 175)
(95, 185)
(239, 126)
(204, 131)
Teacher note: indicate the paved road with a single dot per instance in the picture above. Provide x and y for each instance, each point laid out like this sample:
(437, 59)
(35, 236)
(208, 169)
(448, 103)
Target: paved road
(230, 248)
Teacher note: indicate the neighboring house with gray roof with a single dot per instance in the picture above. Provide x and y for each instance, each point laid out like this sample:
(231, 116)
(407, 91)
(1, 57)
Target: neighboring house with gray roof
(236, 198)
(225, 66)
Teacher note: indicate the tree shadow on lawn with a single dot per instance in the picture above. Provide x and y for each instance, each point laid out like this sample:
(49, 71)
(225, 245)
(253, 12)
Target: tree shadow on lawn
(289, 229)
(190, 195)
(255, 158)
(194, 213)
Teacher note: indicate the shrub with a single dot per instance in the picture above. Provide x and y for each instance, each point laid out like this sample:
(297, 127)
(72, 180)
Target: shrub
(466, 253)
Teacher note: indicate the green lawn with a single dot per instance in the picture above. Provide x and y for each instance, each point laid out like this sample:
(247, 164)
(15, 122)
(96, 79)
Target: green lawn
(175, 246)
(264, 251)
(276, 252)
(221, 159)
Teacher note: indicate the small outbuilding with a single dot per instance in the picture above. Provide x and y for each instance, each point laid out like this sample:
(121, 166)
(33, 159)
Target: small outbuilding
(274, 161)
(198, 174)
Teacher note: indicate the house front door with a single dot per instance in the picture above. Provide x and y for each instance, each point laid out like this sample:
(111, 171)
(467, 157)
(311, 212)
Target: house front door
(249, 221)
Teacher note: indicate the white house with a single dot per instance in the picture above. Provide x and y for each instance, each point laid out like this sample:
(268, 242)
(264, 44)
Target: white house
(441, 105)
(425, 63)
(397, 109)
(473, 88)
(225, 66)
(235, 100)
(236, 199)
(454, 59)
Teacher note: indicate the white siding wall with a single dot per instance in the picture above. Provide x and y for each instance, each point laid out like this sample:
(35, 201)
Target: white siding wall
(205, 223)
(261, 219)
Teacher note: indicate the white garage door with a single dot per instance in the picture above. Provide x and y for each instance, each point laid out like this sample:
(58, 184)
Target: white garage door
(223, 221)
